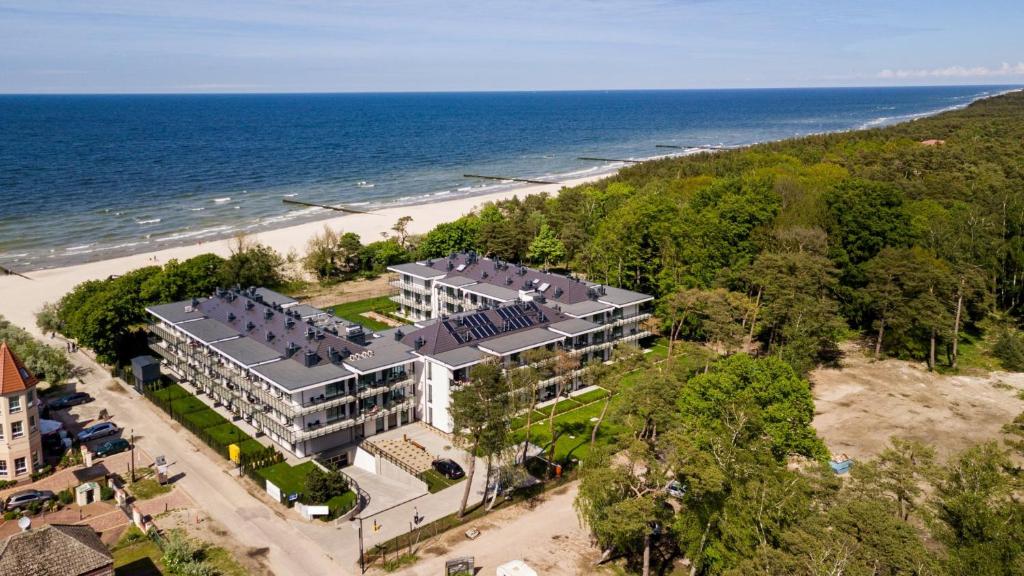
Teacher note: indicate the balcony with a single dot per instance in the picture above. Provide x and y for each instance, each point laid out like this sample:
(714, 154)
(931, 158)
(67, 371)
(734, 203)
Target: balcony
(415, 288)
(419, 304)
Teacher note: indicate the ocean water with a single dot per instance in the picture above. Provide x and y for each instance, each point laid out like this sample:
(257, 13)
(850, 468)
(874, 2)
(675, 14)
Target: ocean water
(91, 177)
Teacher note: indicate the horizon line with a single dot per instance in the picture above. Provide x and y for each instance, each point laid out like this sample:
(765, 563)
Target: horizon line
(513, 91)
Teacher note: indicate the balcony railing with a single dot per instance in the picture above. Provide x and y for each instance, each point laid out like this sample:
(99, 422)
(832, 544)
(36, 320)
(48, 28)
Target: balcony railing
(410, 287)
(411, 302)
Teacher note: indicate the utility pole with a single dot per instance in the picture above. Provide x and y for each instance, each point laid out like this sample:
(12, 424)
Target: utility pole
(362, 560)
(132, 447)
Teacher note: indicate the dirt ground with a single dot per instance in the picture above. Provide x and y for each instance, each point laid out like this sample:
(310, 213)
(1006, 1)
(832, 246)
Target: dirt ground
(321, 296)
(547, 536)
(860, 406)
(199, 525)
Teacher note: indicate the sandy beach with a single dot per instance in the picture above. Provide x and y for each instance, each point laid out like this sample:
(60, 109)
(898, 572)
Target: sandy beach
(22, 297)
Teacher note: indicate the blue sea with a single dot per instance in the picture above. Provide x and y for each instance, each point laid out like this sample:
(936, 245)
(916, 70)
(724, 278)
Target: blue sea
(92, 177)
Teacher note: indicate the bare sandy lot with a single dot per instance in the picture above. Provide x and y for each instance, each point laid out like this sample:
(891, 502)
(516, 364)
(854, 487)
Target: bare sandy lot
(865, 403)
(548, 537)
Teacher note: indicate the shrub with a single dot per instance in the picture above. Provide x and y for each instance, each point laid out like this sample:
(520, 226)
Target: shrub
(1009, 349)
(12, 515)
(7, 483)
(35, 507)
(65, 497)
(70, 458)
(322, 486)
(106, 492)
(183, 556)
(42, 472)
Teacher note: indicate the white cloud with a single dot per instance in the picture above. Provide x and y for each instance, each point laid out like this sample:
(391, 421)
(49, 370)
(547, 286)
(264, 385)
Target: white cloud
(1006, 69)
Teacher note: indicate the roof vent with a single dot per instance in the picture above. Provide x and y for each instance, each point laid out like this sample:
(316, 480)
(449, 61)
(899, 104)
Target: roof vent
(310, 358)
(450, 266)
(310, 333)
(250, 325)
(399, 335)
(558, 292)
(268, 314)
(420, 342)
(508, 280)
(289, 323)
(195, 302)
(290, 349)
(231, 316)
(249, 304)
(270, 336)
(333, 355)
(430, 262)
(485, 274)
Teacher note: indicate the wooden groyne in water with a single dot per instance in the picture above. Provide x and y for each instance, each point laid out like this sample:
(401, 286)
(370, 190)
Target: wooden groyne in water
(526, 180)
(325, 206)
(609, 159)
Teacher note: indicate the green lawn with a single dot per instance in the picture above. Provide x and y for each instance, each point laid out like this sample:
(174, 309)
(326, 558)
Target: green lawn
(573, 431)
(139, 559)
(227, 433)
(341, 503)
(290, 479)
(188, 405)
(592, 396)
(352, 311)
(436, 481)
(172, 392)
(148, 488)
(205, 418)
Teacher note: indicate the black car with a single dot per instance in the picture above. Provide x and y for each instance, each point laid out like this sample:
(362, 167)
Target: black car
(70, 400)
(449, 469)
(24, 499)
(110, 447)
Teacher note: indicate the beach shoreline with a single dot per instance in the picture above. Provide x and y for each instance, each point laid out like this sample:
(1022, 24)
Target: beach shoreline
(24, 294)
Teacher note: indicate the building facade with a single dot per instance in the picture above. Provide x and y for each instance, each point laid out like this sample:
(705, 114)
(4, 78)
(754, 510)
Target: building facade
(21, 451)
(317, 384)
(308, 380)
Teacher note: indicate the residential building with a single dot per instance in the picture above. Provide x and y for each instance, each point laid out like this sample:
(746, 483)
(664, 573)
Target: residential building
(56, 550)
(318, 384)
(21, 451)
(310, 381)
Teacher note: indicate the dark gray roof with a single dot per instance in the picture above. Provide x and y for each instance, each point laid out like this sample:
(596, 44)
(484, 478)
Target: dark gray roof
(417, 269)
(54, 550)
(176, 311)
(520, 340)
(306, 311)
(246, 351)
(271, 297)
(456, 281)
(386, 352)
(585, 308)
(293, 376)
(560, 288)
(460, 356)
(492, 291)
(575, 326)
(622, 297)
(463, 330)
(208, 330)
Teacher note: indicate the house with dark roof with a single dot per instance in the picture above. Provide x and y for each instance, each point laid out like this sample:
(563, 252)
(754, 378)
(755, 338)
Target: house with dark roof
(56, 550)
(21, 451)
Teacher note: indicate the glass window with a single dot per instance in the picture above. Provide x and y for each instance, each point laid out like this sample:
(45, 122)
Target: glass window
(17, 429)
(335, 413)
(19, 466)
(14, 404)
(32, 423)
(31, 396)
(3, 467)
(430, 393)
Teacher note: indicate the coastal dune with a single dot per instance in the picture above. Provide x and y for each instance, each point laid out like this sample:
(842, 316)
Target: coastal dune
(22, 296)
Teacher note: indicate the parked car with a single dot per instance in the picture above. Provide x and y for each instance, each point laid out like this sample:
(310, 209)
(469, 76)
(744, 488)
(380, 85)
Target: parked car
(101, 430)
(449, 469)
(70, 400)
(24, 499)
(111, 447)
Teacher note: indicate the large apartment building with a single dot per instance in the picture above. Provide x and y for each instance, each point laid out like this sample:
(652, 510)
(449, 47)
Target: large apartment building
(317, 384)
(308, 380)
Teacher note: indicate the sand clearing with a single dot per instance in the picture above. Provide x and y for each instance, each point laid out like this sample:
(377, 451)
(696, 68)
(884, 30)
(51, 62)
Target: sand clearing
(865, 403)
(22, 297)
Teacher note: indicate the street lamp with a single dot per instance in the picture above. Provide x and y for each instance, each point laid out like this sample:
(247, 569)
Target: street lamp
(131, 445)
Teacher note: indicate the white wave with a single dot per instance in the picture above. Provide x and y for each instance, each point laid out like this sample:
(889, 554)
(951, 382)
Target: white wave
(224, 200)
(465, 189)
(82, 248)
(201, 233)
(199, 209)
(292, 195)
(149, 221)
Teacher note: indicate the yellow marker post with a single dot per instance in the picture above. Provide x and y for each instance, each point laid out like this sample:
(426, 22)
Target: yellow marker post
(235, 453)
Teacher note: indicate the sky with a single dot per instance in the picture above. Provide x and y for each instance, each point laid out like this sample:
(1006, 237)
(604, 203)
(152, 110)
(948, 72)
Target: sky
(172, 46)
